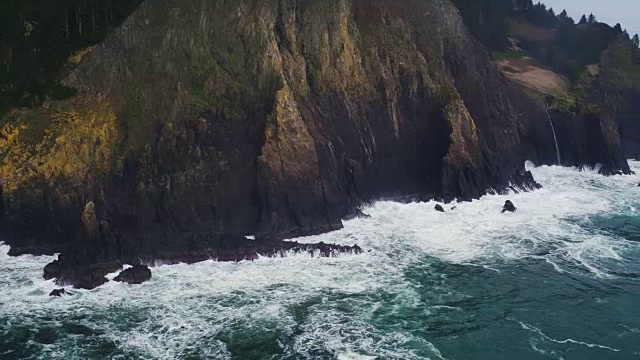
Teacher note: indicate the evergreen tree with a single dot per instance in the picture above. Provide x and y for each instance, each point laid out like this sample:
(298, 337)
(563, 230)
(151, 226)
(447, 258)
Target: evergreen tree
(565, 19)
(583, 19)
(636, 40)
(618, 28)
(487, 20)
(522, 5)
(592, 19)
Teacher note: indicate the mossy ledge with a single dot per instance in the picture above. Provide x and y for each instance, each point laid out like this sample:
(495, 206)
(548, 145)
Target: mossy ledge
(200, 122)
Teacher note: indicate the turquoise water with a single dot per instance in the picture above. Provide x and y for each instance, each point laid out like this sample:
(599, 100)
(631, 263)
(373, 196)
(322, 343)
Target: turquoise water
(559, 279)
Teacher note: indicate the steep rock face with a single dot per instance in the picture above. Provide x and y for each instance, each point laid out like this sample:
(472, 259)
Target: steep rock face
(593, 125)
(588, 137)
(199, 122)
(620, 79)
(630, 125)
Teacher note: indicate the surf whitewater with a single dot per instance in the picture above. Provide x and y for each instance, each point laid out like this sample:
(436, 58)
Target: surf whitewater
(560, 278)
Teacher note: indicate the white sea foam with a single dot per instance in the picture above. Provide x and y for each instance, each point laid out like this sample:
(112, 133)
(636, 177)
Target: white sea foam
(194, 307)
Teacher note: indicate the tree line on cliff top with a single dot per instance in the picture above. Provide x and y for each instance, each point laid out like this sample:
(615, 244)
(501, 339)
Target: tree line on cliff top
(569, 47)
(38, 37)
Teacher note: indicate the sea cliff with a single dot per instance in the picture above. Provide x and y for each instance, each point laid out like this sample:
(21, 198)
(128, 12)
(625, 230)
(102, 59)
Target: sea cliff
(197, 123)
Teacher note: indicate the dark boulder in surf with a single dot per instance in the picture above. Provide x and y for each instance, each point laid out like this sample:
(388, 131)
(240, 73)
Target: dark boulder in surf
(135, 275)
(59, 293)
(508, 207)
(83, 276)
(439, 208)
(87, 280)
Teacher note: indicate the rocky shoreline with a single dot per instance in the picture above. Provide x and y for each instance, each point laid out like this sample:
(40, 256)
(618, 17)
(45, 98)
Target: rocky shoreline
(188, 133)
(90, 276)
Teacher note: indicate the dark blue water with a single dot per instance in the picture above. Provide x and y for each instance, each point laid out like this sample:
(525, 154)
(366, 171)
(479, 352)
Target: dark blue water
(560, 279)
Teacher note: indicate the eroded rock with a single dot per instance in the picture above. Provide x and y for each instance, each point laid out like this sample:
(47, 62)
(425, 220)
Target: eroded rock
(135, 275)
(59, 292)
(52, 270)
(508, 207)
(80, 275)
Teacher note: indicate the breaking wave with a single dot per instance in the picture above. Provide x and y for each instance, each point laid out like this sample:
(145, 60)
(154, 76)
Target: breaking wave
(558, 278)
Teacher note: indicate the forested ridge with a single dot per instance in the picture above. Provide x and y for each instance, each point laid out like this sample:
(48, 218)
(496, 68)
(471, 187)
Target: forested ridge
(39, 39)
(584, 67)
(556, 40)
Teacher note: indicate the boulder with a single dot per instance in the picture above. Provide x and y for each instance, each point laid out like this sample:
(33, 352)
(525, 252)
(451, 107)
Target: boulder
(134, 275)
(71, 271)
(508, 207)
(439, 208)
(59, 293)
(85, 280)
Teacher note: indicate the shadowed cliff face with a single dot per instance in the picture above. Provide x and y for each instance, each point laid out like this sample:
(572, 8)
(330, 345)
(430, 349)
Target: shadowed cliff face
(592, 126)
(202, 121)
(620, 79)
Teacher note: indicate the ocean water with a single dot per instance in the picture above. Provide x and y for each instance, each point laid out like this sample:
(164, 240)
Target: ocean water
(559, 279)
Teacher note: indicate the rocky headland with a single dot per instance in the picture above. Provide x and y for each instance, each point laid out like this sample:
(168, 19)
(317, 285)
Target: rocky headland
(198, 123)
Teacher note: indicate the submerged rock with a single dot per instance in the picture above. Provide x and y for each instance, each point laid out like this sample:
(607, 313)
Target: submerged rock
(608, 171)
(439, 208)
(135, 275)
(79, 329)
(508, 207)
(46, 336)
